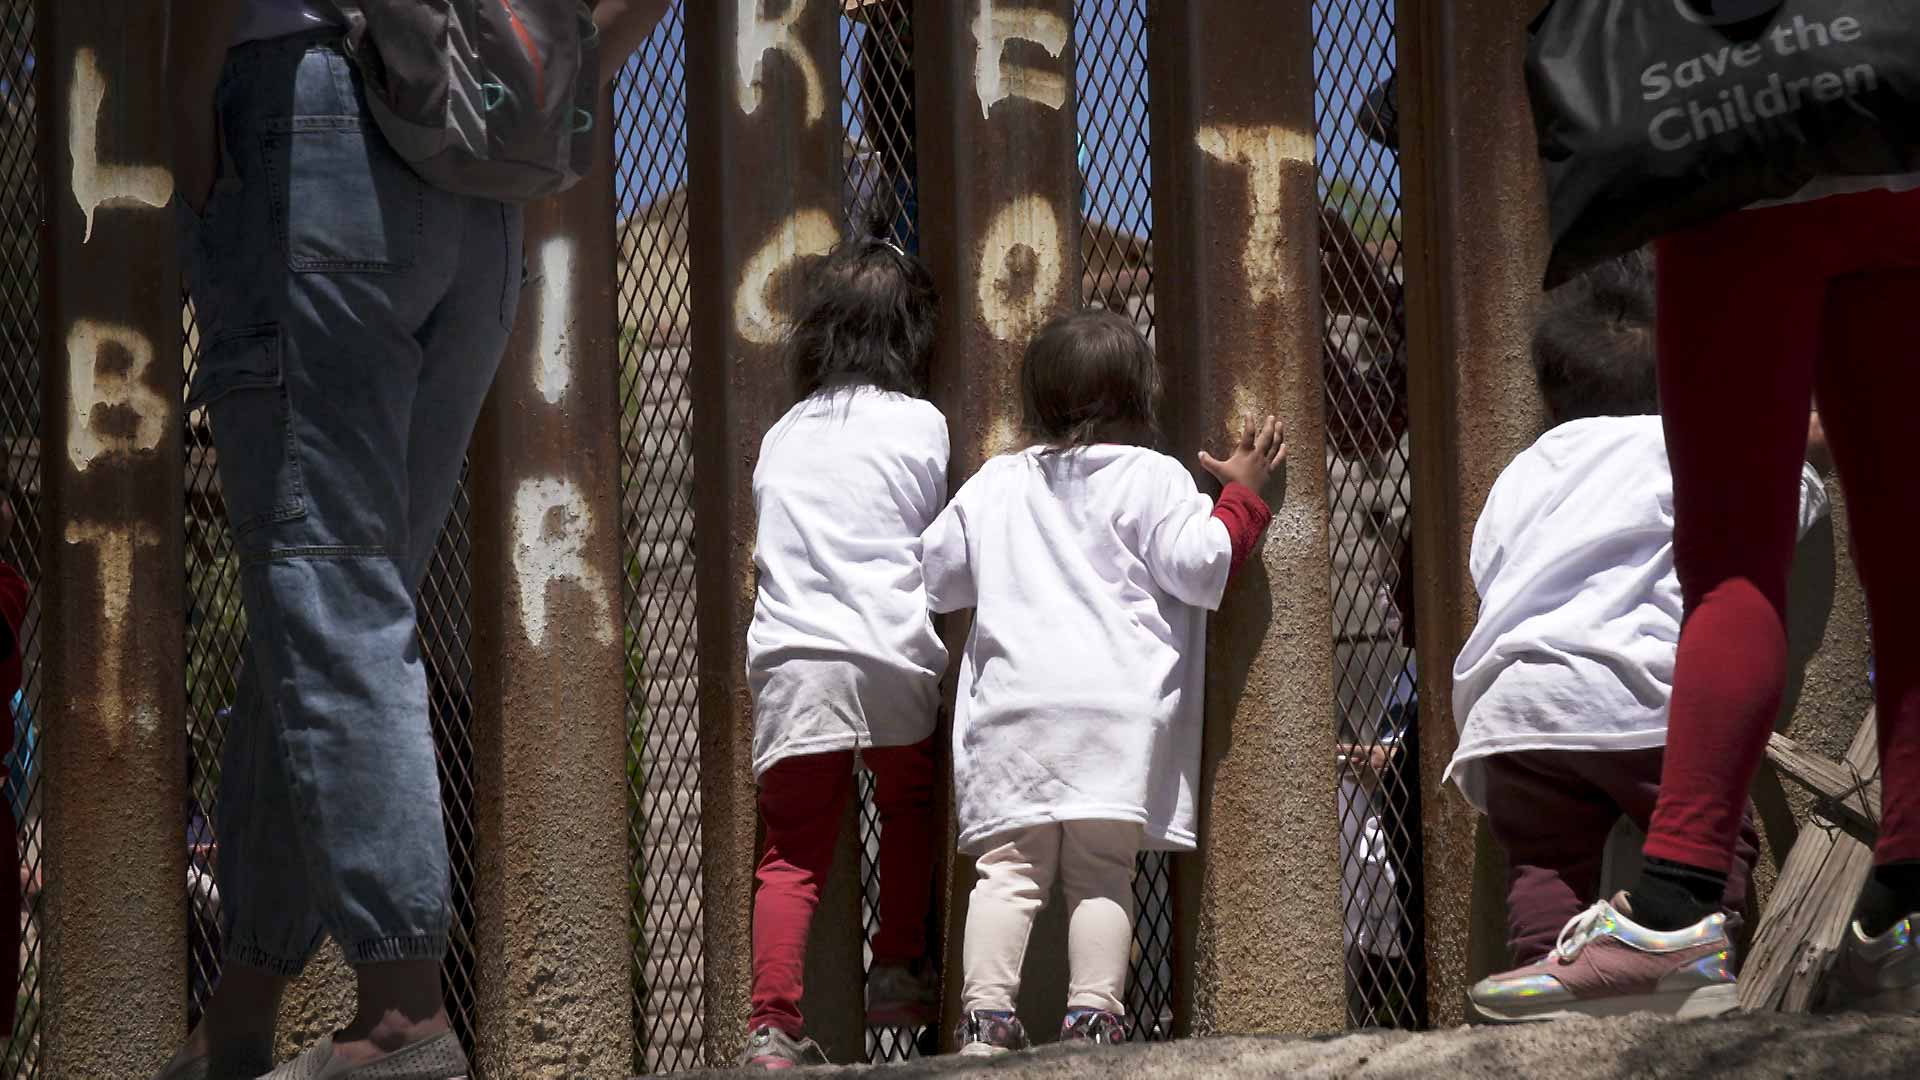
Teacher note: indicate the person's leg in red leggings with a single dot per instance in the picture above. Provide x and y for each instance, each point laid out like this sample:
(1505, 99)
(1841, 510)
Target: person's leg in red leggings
(905, 782)
(1869, 386)
(1738, 320)
(802, 800)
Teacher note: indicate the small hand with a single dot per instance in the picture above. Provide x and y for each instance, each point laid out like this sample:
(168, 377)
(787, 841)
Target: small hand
(1262, 450)
(1369, 764)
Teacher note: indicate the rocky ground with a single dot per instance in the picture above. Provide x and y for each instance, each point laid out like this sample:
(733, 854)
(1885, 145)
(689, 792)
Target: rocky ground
(1639, 1047)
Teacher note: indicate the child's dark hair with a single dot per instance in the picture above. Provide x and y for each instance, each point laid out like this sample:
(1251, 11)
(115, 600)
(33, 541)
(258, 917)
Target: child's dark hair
(1593, 350)
(870, 317)
(1089, 377)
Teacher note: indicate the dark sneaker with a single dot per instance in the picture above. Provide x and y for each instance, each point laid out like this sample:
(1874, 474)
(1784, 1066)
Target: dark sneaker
(989, 1033)
(902, 996)
(438, 1058)
(771, 1048)
(1876, 974)
(1608, 965)
(1096, 1026)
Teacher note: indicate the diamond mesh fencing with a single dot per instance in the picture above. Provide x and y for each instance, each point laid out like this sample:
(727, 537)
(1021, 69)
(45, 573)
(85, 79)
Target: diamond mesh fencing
(659, 595)
(877, 112)
(20, 486)
(1116, 242)
(1369, 494)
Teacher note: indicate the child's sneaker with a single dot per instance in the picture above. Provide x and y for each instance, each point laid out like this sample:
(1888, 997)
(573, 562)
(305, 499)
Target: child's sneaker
(1096, 1026)
(990, 1033)
(1608, 965)
(902, 996)
(1877, 974)
(771, 1048)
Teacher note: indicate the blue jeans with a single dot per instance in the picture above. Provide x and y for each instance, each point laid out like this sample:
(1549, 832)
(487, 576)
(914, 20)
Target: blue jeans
(351, 320)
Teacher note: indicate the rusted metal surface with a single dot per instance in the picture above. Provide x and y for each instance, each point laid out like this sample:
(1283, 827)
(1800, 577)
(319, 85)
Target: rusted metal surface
(1000, 231)
(764, 191)
(1238, 261)
(1475, 247)
(113, 632)
(550, 693)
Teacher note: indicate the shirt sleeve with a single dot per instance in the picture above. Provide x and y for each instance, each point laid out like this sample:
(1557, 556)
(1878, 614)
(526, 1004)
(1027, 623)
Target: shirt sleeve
(944, 563)
(1246, 516)
(1187, 549)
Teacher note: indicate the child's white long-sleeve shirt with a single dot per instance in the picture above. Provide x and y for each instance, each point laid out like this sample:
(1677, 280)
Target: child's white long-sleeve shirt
(1089, 572)
(1579, 601)
(842, 653)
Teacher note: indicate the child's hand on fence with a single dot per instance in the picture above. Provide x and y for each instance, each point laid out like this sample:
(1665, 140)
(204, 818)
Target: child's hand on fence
(1261, 453)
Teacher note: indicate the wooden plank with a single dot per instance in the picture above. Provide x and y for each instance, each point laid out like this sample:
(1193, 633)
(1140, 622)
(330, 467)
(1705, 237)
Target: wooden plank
(1813, 901)
(1850, 796)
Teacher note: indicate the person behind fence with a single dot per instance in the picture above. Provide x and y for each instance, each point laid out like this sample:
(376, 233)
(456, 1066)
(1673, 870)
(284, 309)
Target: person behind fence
(351, 317)
(1562, 689)
(842, 656)
(20, 883)
(1089, 561)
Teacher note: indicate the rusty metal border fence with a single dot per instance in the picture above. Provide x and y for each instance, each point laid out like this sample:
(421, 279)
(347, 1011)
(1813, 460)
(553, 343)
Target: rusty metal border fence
(20, 202)
(1172, 128)
(1370, 496)
(658, 547)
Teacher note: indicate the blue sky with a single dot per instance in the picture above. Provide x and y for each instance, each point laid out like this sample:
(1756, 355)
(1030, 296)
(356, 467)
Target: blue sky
(1352, 39)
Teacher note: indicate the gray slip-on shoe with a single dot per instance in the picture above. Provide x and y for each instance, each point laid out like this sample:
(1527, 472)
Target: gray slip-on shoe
(206, 1068)
(438, 1058)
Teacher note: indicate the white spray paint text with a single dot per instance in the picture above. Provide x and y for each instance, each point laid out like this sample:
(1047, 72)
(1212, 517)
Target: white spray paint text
(807, 232)
(755, 38)
(993, 28)
(553, 369)
(93, 391)
(1266, 152)
(1021, 264)
(550, 525)
(97, 183)
(114, 545)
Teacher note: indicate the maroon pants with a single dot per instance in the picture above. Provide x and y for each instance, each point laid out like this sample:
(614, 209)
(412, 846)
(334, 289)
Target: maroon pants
(802, 803)
(1758, 312)
(1552, 810)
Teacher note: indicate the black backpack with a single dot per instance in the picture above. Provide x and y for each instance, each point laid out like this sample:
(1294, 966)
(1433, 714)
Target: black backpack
(493, 98)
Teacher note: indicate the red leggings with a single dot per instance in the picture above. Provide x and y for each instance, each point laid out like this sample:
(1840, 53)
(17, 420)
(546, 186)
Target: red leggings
(1758, 313)
(802, 803)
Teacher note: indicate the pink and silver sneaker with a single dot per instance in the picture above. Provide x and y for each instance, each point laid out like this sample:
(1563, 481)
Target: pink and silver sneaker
(1608, 965)
(1877, 974)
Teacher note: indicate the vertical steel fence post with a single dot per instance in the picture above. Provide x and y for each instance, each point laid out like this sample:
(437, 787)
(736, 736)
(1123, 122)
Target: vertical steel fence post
(1475, 249)
(1000, 230)
(550, 730)
(1237, 270)
(114, 624)
(764, 180)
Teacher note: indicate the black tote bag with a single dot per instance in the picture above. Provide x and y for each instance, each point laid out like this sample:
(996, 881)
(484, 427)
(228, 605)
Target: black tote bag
(1654, 115)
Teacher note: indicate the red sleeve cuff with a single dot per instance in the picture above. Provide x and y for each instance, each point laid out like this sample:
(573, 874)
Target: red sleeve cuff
(1246, 516)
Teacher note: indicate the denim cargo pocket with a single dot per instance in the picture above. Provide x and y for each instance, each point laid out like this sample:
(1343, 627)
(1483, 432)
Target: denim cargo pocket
(343, 201)
(242, 385)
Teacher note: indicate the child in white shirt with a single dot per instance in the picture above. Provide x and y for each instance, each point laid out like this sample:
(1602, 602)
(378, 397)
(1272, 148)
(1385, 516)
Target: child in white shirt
(1561, 691)
(1090, 562)
(842, 657)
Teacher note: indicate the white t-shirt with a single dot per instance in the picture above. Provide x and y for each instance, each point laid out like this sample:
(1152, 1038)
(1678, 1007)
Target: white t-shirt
(842, 652)
(266, 19)
(1089, 572)
(1579, 603)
